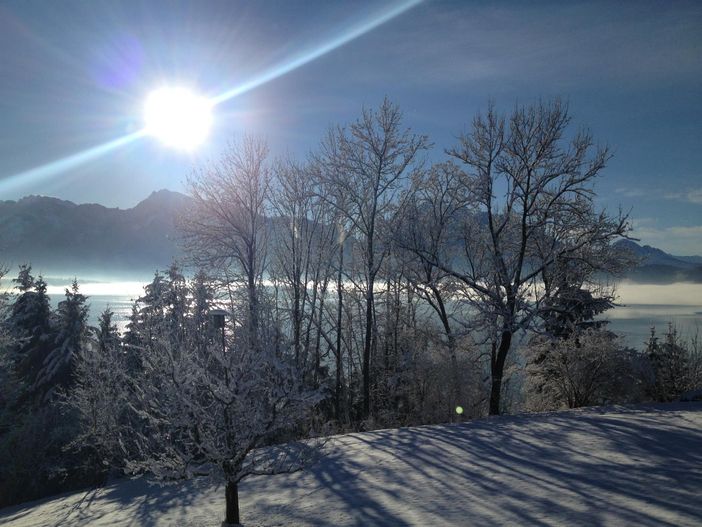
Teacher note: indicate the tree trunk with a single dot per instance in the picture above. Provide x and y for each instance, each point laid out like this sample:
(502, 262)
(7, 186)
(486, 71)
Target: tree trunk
(232, 494)
(370, 309)
(297, 320)
(368, 342)
(339, 314)
(440, 308)
(497, 367)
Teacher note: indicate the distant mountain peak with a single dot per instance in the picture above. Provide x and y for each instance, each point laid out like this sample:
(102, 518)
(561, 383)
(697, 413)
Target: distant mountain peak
(37, 199)
(165, 193)
(163, 199)
(64, 238)
(657, 266)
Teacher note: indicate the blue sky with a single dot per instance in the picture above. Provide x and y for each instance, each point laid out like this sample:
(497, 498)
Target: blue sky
(74, 75)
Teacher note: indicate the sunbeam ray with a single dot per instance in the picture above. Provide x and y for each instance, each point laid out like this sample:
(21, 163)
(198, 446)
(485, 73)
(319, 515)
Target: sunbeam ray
(61, 165)
(66, 163)
(304, 58)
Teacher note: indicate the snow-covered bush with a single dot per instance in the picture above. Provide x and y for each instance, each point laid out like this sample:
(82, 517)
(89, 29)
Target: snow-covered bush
(672, 367)
(441, 385)
(589, 367)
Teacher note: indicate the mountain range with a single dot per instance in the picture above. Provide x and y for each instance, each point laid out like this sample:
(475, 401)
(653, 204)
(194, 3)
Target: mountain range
(658, 267)
(61, 238)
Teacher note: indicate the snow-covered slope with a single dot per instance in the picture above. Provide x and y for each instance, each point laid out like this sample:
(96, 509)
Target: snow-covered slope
(615, 466)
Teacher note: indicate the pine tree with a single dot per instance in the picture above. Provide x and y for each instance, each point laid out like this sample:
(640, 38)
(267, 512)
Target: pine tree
(202, 295)
(670, 365)
(72, 335)
(30, 326)
(134, 341)
(98, 395)
(176, 302)
(8, 380)
(107, 332)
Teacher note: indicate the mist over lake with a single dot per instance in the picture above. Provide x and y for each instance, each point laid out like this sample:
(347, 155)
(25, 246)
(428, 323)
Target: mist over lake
(641, 306)
(118, 296)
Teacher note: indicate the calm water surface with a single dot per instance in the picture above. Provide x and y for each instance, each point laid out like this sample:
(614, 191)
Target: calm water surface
(642, 306)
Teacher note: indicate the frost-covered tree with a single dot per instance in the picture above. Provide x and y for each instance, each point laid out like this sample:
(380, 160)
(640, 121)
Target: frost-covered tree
(530, 183)
(30, 325)
(107, 334)
(33, 459)
(196, 405)
(161, 312)
(674, 366)
(369, 162)
(72, 335)
(99, 397)
(9, 387)
(590, 366)
(134, 339)
(302, 257)
(202, 293)
(226, 230)
(437, 204)
(216, 412)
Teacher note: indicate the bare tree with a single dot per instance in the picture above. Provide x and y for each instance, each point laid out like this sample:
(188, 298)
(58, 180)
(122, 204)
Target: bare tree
(225, 232)
(370, 162)
(302, 255)
(531, 189)
(437, 205)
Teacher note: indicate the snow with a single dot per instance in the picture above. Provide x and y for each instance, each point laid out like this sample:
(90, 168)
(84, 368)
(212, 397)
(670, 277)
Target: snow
(638, 465)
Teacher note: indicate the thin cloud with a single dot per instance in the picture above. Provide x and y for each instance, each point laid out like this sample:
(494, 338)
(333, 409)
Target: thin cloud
(631, 192)
(677, 239)
(690, 196)
(565, 45)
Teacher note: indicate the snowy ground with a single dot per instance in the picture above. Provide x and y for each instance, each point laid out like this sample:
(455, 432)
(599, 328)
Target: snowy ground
(617, 466)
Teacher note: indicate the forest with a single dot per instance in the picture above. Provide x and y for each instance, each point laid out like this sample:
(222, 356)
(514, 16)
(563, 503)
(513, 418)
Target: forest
(362, 287)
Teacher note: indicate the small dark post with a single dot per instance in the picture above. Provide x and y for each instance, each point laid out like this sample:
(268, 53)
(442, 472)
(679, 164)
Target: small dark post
(218, 321)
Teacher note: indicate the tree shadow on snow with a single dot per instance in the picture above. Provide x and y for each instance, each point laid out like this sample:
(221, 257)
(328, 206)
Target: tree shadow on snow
(582, 467)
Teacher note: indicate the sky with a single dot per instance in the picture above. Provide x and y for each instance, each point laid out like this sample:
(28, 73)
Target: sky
(74, 77)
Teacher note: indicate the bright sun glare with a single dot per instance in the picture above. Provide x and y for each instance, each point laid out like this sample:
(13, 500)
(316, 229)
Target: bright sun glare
(178, 117)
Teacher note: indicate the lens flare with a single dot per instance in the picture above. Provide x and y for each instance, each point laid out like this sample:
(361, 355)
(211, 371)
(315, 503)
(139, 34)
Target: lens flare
(182, 119)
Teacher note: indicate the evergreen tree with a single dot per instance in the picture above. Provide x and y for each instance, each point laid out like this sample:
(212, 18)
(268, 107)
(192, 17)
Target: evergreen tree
(573, 309)
(152, 309)
(8, 381)
(30, 326)
(72, 335)
(202, 295)
(176, 302)
(24, 280)
(134, 340)
(107, 332)
(669, 366)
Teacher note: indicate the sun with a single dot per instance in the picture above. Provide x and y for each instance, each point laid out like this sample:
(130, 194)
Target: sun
(178, 117)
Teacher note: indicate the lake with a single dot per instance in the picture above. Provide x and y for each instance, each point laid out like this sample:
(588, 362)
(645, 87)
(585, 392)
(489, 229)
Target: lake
(642, 306)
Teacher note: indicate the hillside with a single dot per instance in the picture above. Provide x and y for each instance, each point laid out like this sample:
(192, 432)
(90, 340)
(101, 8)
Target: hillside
(60, 237)
(658, 267)
(613, 466)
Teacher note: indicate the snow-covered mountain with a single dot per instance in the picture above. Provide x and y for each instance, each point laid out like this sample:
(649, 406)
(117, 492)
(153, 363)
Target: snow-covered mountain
(639, 465)
(657, 266)
(60, 237)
